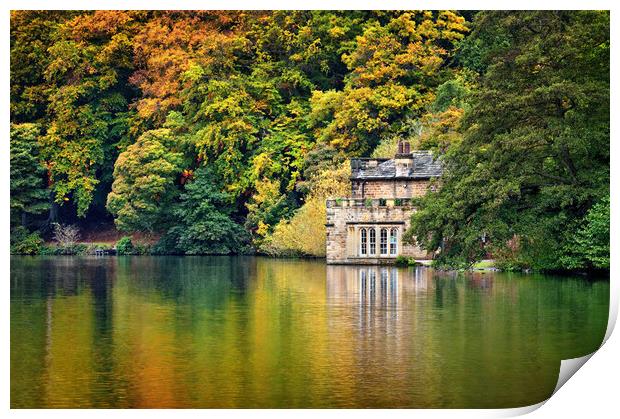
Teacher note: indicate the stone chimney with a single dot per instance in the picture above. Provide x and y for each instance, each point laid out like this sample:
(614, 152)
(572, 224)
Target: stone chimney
(403, 159)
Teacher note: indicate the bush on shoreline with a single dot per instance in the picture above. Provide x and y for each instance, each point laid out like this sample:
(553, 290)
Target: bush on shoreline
(25, 243)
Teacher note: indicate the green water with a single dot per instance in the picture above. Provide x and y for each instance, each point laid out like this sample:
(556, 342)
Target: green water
(258, 332)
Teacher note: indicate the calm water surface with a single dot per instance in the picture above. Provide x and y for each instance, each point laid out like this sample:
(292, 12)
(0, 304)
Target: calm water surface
(257, 332)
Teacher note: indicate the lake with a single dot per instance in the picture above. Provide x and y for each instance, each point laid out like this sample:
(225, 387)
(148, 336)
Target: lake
(258, 332)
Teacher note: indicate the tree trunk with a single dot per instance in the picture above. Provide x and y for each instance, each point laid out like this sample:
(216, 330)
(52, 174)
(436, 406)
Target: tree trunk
(53, 215)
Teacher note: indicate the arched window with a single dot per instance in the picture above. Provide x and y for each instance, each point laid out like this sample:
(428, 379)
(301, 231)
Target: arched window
(363, 242)
(383, 242)
(373, 241)
(393, 241)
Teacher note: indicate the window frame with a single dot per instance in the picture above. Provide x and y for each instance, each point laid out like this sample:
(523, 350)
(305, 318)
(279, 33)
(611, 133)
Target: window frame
(372, 241)
(363, 251)
(393, 241)
(383, 241)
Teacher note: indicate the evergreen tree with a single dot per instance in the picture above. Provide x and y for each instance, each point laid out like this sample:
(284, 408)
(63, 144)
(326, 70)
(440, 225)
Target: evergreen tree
(535, 153)
(29, 195)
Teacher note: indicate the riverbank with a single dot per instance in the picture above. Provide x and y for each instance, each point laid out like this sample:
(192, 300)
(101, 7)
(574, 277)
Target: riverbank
(149, 245)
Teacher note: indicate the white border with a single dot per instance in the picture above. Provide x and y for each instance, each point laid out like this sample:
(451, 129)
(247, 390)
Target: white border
(593, 392)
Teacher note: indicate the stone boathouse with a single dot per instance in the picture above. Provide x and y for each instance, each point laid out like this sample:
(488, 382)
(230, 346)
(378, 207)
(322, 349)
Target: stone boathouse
(367, 228)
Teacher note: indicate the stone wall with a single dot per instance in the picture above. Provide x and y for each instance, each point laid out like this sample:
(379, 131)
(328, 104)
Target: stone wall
(344, 219)
(405, 188)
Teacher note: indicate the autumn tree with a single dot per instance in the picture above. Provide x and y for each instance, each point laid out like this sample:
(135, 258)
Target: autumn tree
(145, 183)
(89, 65)
(393, 71)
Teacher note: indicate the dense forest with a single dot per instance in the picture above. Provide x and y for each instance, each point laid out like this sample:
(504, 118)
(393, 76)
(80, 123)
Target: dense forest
(215, 132)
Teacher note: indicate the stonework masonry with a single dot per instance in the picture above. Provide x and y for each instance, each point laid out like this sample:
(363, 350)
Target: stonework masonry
(367, 228)
(402, 188)
(346, 218)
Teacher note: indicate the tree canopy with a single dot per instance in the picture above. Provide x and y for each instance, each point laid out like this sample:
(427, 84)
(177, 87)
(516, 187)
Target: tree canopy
(181, 122)
(534, 153)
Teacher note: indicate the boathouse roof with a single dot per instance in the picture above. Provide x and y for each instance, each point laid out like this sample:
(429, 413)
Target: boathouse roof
(420, 164)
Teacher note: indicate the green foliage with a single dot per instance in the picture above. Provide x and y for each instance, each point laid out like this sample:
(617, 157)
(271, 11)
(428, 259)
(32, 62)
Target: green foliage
(535, 151)
(32, 33)
(167, 245)
(450, 263)
(267, 206)
(28, 193)
(92, 248)
(86, 79)
(144, 186)
(588, 246)
(116, 112)
(405, 261)
(203, 219)
(142, 249)
(124, 246)
(23, 242)
(304, 233)
(75, 249)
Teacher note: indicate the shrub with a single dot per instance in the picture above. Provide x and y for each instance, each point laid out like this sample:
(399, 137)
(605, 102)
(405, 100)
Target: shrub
(71, 249)
(401, 261)
(25, 243)
(141, 249)
(167, 245)
(93, 247)
(449, 263)
(66, 235)
(124, 246)
(304, 233)
(47, 250)
(405, 261)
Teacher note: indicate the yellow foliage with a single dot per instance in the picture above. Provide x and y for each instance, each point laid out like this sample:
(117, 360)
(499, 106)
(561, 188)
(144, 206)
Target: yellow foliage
(443, 129)
(304, 234)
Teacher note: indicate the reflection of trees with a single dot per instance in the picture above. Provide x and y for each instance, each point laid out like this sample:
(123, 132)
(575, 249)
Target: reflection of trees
(259, 332)
(209, 279)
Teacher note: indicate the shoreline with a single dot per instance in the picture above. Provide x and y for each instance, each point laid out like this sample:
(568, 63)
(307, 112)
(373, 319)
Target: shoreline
(484, 266)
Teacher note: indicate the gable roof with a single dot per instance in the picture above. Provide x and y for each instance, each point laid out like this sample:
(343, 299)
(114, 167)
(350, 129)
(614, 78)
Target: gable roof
(423, 166)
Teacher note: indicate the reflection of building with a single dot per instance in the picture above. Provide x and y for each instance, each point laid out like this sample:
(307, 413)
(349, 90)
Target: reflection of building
(379, 297)
(367, 227)
(380, 286)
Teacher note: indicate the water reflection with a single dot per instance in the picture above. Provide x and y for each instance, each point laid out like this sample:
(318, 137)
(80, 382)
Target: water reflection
(258, 332)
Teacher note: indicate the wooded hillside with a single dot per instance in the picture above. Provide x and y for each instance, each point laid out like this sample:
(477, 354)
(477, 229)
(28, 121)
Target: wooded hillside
(223, 132)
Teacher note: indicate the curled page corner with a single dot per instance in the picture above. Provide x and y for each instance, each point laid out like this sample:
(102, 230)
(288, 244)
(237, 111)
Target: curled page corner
(568, 367)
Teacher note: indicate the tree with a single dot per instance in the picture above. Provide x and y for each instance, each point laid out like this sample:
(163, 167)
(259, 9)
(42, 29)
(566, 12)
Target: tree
(29, 195)
(89, 64)
(588, 246)
(393, 70)
(534, 157)
(32, 33)
(203, 223)
(144, 185)
(247, 93)
(304, 233)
